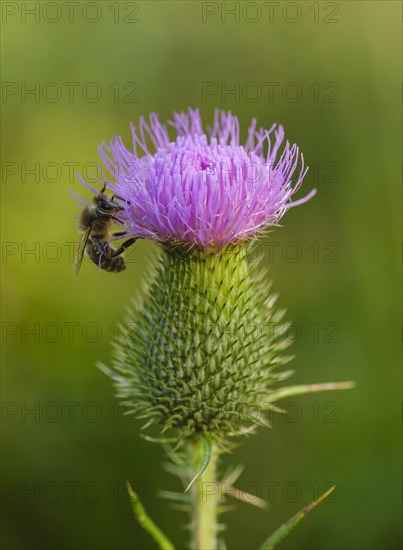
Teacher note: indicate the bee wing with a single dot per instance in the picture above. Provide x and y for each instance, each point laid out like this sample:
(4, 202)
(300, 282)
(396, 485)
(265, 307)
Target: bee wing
(82, 243)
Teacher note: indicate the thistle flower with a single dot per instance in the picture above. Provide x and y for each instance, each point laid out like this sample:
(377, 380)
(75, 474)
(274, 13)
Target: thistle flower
(202, 189)
(207, 340)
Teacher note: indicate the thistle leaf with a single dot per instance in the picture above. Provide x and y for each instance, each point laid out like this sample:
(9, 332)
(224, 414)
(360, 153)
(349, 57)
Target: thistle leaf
(282, 531)
(146, 522)
(207, 448)
(282, 393)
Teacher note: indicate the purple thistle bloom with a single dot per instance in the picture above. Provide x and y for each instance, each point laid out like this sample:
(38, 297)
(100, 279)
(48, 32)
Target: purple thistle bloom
(202, 189)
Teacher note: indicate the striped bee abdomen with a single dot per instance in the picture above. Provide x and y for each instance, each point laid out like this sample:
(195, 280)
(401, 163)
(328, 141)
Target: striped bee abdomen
(113, 265)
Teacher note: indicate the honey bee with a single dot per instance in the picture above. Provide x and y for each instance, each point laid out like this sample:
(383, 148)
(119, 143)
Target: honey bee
(95, 226)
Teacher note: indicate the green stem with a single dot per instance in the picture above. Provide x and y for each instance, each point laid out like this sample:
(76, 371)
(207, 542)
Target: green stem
(205, 501)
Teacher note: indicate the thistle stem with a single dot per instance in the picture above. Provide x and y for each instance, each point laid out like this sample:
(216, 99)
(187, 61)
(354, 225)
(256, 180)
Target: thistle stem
(205, 501)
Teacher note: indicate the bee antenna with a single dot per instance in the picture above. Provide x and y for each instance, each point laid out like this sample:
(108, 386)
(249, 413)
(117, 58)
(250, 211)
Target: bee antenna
(103, 188)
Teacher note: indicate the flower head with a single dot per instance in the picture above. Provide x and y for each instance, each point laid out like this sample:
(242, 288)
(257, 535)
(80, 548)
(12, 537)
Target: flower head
(202, 188)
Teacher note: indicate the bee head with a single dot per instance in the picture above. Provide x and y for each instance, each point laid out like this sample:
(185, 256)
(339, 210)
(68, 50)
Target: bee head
(105, 205)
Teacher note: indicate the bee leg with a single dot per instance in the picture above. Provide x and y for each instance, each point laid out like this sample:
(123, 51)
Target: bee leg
(116, 220)
(100, 246)
(119, 233)
(120, 199)
(123, 247)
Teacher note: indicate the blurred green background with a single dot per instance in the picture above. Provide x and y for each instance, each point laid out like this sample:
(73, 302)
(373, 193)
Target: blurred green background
(334, 69)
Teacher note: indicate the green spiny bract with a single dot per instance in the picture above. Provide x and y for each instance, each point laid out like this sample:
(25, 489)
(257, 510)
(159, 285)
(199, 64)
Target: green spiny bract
(202, 349)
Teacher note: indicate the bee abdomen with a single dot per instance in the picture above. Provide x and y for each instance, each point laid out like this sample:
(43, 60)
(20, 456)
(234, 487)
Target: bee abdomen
(114, 265)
